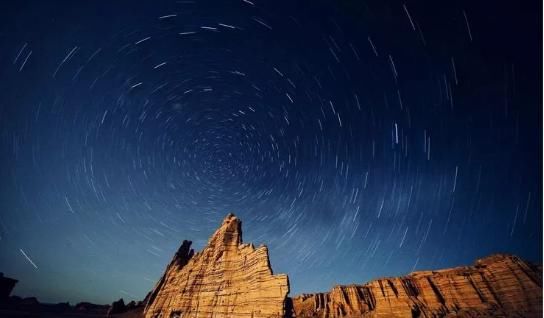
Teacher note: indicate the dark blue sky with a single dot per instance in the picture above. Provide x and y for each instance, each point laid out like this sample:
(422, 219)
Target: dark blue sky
(356, 140)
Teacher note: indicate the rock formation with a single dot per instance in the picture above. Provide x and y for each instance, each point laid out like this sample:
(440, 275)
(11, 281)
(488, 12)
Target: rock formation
(117, 307)
(496, 286)
(229, 279)
(6, 286)
(226, 279)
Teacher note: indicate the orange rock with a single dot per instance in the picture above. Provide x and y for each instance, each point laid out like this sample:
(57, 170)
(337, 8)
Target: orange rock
(496, 286)
(226, 279)
(229, 279)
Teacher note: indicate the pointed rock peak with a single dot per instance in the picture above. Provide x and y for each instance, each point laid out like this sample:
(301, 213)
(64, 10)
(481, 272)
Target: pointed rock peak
(184, 253)
(229, 233)
(226, 279)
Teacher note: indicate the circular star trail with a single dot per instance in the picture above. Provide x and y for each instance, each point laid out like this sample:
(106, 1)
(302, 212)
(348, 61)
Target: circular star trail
(355, 140)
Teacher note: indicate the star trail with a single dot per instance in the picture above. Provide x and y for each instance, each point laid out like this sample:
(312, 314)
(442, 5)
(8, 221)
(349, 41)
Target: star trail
(355, 139)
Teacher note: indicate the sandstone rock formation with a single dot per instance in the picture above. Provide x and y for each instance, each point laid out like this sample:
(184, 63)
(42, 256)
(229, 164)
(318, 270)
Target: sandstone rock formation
(229, 279)
(496, 286)
(226, 279)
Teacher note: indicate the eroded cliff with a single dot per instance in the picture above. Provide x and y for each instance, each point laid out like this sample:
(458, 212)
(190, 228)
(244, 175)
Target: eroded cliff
(229, 279)
(226, 279)
(496, 286)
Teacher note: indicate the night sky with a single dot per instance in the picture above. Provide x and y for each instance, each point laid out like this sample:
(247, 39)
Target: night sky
(357, 139)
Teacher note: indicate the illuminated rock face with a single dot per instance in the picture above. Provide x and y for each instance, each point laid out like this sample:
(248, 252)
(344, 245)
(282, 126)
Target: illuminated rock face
(496, 286)
(229, 279)
(226, 279)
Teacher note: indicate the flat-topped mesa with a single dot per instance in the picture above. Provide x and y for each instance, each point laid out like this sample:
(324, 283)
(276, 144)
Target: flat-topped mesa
(496, 286)
(226, 279)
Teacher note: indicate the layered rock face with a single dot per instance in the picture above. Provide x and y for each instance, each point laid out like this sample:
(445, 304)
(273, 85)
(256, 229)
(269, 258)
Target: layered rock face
(229, 279)
(496, 286)
(226, 279)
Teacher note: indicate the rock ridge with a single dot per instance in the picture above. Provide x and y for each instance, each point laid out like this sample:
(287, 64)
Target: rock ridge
(500, 285)
(229, 278)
